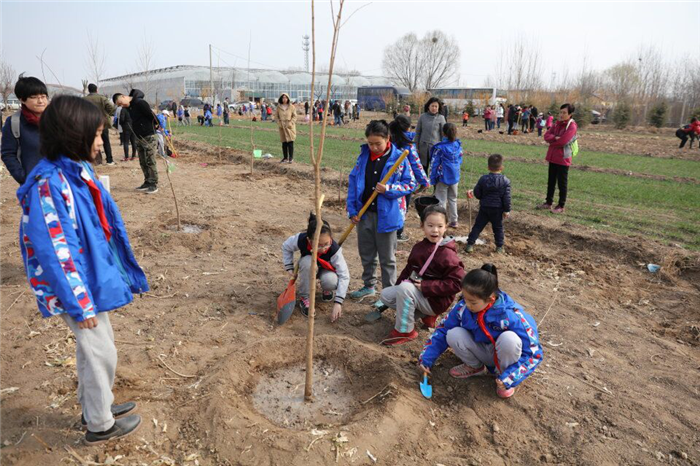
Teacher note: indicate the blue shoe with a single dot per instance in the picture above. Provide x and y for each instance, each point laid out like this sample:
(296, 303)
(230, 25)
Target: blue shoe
(362, 293)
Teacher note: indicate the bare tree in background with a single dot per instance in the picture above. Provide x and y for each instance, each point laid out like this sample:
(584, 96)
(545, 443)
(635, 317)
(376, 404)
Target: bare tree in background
(440, 55)
(620, 80)
(8, 78)
(402, 62)
(144, 63)
(95, 59)
(422, 64)
(519, 68)
(85, 83)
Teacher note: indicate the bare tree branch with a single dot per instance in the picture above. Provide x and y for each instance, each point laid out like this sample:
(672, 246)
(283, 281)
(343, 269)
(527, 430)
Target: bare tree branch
(95, 59)
(8, 78)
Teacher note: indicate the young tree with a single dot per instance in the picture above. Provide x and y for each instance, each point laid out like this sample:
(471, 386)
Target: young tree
(8, 78)
(144, 63)
(95, 59)
(658, 114)
(621, 115)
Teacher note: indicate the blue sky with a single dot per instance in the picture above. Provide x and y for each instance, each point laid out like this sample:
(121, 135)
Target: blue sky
(605, 32)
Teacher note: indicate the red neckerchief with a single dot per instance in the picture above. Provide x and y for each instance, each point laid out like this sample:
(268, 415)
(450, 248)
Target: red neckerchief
(97, 199)
(482, 326)
(31, 117)
(323, 263)
(373, 157)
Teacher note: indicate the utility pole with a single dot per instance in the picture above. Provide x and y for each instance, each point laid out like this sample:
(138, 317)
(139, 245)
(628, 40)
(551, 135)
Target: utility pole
(305, 46)
(211, 78)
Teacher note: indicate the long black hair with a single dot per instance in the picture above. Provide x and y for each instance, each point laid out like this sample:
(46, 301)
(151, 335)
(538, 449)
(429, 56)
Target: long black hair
(397, 129)
(482, 283)
(68, 127)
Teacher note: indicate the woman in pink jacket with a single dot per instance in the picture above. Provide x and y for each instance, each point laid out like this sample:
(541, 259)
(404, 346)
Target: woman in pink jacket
(559, 156)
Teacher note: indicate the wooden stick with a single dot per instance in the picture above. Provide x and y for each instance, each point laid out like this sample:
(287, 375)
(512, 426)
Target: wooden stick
(15, 301)
(374, 195)
(160, 358)
(172, 188)
(46, 445)
(584, 381)
(389, 385)
(308, 387)
(556, 293)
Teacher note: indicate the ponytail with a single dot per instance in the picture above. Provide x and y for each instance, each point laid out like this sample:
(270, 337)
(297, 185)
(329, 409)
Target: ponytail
(311, 228)
(482, 283)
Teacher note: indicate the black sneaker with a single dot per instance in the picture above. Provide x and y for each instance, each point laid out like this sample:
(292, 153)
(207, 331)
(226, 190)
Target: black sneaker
(402, 238)
(143, 187)
(121, 428)
(152, 190)
(117, 411)
(327, 296)
(304, 306)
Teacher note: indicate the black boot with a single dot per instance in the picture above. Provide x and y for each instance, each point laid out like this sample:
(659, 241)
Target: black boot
(121, 428)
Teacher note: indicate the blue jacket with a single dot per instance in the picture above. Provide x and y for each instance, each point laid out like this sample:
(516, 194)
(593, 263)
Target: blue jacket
(400, 184)
(504, 315)
(29, 141)
(414, 159)
(70, 266)
(493, 190)
(446, 162)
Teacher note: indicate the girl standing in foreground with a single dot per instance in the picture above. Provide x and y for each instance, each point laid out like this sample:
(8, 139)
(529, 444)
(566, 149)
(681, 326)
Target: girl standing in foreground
(332, 268)
(77, 256)
(428, 283)
(446, 167)
(487, 330)
(376, 230)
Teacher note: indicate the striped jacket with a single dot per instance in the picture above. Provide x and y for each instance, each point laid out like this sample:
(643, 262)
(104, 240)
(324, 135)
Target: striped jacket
(504, 315)
(70, 265)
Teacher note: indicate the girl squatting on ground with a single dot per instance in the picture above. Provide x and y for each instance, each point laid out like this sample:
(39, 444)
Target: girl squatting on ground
(493, 192)
(77, 256)
(446, 166)
(333, 271)
(488, 331)
(429, 282)
(402, 138)
(376, 230)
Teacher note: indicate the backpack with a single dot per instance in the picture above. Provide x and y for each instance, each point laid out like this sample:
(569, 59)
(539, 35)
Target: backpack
(572, 147)
(14, 124)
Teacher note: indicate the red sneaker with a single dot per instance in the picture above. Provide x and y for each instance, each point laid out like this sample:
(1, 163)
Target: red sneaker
(397, 338)
(544, 206)
(558, 210)
(429, 321)
(464, 371)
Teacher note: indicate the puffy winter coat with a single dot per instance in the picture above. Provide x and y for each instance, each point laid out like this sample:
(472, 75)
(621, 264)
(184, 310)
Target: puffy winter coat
(27, 146)
(400, 184)
(493, 190)
(504, 315)
(414, 160)
(442, 279)
(70, 265)
(446, 162)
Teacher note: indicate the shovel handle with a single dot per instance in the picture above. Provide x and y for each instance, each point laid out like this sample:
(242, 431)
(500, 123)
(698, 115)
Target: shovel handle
(374, 195)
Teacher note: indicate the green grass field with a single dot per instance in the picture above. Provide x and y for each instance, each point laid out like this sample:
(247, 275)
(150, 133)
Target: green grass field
(664, 210)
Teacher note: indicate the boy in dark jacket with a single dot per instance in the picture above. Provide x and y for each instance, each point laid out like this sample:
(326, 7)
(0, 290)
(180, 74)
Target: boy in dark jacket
(493, 190)
(144, 125)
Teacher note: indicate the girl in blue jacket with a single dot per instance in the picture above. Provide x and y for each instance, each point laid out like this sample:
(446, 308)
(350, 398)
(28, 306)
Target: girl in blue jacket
(77, 256)
(376, 230)
(445, 169)
(487, 330)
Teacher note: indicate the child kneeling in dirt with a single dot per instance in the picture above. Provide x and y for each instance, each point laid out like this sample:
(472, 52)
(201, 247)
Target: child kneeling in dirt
(77, 256)
(332, 268)
(429, 282)
(493, 190)
(487, 330)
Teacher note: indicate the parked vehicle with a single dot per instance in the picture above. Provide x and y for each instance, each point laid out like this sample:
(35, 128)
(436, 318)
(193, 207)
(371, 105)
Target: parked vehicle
(597, 117)
(164, 105)
(192, 102)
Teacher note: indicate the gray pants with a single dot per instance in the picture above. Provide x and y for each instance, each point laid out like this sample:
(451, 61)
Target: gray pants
(406, 299)
(372, 244)
(96, 361)
(509, 348)
(447, 195)
(329, 280)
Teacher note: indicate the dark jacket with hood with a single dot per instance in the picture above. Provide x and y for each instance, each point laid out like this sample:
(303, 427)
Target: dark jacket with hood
(493, 190)
(142, 118)
(442, 279)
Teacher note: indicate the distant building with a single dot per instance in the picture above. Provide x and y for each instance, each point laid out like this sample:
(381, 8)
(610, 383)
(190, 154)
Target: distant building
(177, 82)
